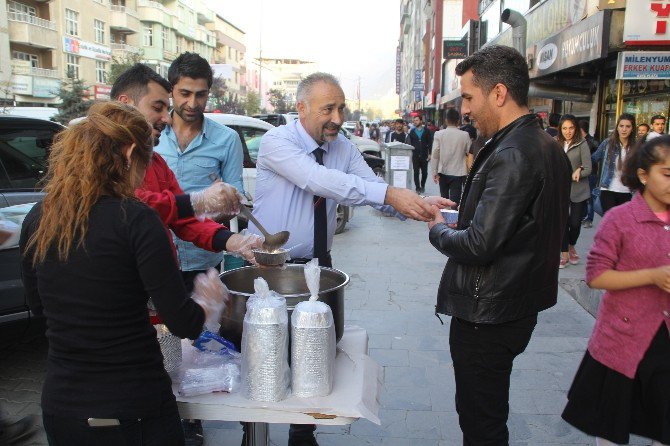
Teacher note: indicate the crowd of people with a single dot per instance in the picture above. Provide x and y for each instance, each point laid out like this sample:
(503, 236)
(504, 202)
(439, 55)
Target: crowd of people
(130, 190)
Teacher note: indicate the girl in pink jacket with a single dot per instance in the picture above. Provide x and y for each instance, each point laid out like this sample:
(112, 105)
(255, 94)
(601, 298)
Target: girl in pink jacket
(622, 386)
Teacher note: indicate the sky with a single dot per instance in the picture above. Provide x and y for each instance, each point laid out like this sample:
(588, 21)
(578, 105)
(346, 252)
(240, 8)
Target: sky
(347, 38)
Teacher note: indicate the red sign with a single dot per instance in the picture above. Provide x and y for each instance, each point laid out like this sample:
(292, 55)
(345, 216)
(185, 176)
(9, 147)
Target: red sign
(102, 92)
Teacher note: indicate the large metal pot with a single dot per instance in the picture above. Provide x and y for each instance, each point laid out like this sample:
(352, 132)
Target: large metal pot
(289, 281)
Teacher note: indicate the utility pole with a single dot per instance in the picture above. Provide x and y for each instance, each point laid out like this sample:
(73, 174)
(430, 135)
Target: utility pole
(358, 93)
(260, 60)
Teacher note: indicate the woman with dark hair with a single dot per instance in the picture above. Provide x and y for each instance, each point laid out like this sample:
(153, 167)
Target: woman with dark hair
(611, 155)
(577, 150)
(92, 254)
(622, 386)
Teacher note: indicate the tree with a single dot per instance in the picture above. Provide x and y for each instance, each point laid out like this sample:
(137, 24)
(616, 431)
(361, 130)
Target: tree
(252, 103)
(121, 64)
(71, 94)
(278, 101)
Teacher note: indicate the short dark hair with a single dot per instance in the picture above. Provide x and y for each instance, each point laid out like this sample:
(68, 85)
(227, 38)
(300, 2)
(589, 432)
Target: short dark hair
(399, 121)
(190, 65)
(466, 118)
(643, 157)
(655, 117)
(644, 124)
(453, 116)
(418, 116)
(584, 125)
(497, 64)
(134, 82)
(554, 119)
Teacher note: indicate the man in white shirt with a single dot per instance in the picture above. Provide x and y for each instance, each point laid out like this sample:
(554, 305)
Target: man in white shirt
(657, 126)
(449, 161)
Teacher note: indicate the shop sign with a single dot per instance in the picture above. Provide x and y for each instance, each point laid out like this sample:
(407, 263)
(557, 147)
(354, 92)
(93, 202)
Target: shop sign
(429, 99)
(418, 81)
(397, 70)
(646, 23)
(547, 19)
(44, 87)
(417, 96)
(643, 65)
(576, 45)
(102, 92)
(22, 84)
(82, 48)
(454, 49)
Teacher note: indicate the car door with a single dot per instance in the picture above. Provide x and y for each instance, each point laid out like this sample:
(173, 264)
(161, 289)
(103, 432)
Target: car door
(251, 142)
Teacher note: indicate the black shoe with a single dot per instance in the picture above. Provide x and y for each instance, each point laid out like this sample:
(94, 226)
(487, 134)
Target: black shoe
(302, 435)
(22, 430)
(192, 432)
(303, 441)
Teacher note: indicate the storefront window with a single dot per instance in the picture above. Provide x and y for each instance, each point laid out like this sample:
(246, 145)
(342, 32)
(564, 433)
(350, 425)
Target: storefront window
(646, 98)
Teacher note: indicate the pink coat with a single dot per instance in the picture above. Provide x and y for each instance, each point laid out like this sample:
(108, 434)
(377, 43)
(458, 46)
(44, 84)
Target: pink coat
(630, 237)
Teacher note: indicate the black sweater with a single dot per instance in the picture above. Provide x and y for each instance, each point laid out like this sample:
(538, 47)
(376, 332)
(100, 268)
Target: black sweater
(104, 360)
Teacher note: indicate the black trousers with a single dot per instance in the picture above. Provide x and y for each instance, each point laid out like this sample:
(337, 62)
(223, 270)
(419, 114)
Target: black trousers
(422, 167)
(483, 355)
(574, 227)
(164, 430)
(451, 187)
(609, 199)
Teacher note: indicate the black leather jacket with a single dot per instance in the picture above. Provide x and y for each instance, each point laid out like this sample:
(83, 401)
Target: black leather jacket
(422, 146)
(504, 253)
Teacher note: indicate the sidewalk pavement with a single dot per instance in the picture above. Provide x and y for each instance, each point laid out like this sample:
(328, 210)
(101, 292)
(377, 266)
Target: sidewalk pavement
(394, 276)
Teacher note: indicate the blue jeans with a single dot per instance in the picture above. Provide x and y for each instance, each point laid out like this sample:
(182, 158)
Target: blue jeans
(593, 180)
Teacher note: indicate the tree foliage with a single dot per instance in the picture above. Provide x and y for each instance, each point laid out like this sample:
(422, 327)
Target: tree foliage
(278, 101)
(222, 100)
(252, 103)
(121, 64)
(73, 105)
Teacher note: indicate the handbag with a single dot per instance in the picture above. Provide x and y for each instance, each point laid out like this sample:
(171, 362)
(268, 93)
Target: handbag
(597, 205)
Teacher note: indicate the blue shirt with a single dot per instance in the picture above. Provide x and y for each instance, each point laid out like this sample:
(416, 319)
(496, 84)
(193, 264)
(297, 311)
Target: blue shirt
(216, 149)
(288, 177)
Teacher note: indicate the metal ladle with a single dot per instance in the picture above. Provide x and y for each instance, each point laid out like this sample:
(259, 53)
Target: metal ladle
(272, 241)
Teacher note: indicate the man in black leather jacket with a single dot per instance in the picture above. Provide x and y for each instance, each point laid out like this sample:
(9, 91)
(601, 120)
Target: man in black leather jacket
(504, 251)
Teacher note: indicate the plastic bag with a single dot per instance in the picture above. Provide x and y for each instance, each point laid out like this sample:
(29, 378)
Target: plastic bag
(209, 342)
(208, 372)
(212, 295)
(313, 341)
(265, 370)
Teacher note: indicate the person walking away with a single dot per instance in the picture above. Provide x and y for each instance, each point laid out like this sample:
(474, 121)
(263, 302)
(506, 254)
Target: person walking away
(366, 131)
(622, 386)
(91, 255)
(552, 129)
(358, 131)
(374, 133)
(422, 140)
(502, 267)
(611, 155)
(398, 133)
(196, 148)
(657, 126)
(449, 157)
(385, 130)
(593, 178)
(577, 150)
(468, 127)
(305, 169)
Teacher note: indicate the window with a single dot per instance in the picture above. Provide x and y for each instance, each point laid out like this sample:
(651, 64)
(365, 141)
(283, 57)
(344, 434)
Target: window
(32, 58)
(148, 35)
(71, 22)
(99, 28)
(23, 155)
(72, 66)
(20, 8)
(100, 72)
(166, 41)
(178, 45)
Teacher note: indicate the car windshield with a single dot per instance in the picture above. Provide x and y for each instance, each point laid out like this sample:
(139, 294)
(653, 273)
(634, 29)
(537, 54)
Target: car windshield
(252, 137)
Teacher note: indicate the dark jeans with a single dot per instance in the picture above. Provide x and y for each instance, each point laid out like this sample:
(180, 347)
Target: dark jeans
(609, 199)
(451, 187)
(164, 430)
(483, 355)
(422, 166)
(593, 180)
(572, 230)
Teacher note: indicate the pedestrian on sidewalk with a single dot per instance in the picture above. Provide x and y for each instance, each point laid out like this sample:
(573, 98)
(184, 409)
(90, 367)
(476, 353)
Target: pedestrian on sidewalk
(502, 268)
(399, 133)
(92, 255)
(577, 150)
(622, 386)
(449, 161)
(593, 178)
(422, 139)
(611, 155)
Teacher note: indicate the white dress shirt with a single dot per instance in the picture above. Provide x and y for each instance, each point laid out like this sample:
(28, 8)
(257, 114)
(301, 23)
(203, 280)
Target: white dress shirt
(288, 177)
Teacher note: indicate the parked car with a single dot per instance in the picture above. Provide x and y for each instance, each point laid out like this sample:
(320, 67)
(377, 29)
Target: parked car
(349, 126)
(277, 119)
(24, 150)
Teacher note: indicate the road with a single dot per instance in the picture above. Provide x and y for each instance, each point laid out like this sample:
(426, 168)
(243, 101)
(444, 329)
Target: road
(394, 276)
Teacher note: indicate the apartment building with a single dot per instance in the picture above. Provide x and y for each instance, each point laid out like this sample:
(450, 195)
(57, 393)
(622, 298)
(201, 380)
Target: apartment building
(287, 74)
(46, 39)
(231, 51)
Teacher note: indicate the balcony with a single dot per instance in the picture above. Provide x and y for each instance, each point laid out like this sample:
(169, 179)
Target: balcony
(151, 11)
(124, 20)
(124, 51)
(32, 31)
(169, 55)
(32, 71)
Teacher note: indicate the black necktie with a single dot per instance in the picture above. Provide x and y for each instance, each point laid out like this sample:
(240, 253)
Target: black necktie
(320, 220)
